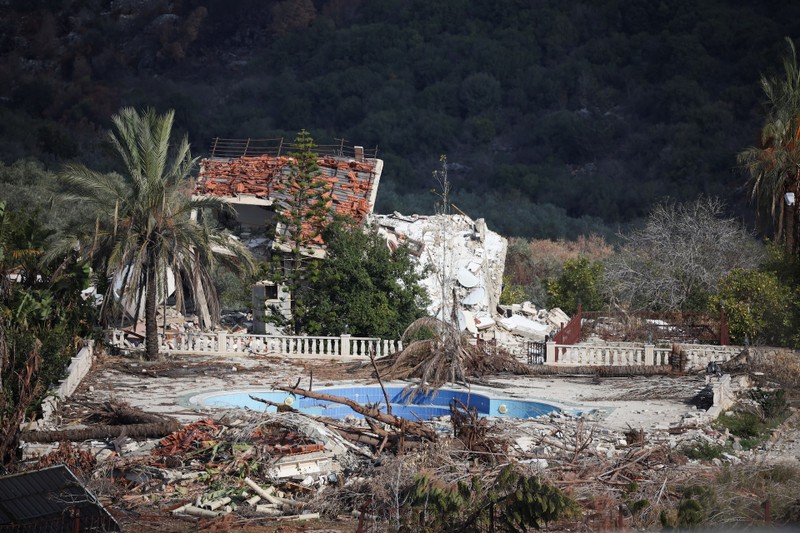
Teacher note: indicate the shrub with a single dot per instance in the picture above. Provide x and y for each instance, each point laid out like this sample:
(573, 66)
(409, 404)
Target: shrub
(578, 283)
(704, 451)
(757, 305)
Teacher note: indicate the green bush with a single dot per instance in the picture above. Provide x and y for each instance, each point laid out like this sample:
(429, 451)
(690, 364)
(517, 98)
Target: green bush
(758, 305)
(704, 451)
(578, 283)
(696, 504)
(742, 425)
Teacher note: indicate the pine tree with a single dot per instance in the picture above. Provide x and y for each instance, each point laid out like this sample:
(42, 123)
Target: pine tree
(304, 209)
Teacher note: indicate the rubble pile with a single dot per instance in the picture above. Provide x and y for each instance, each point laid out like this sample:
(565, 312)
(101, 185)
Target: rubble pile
(246, 466)
(463, 262)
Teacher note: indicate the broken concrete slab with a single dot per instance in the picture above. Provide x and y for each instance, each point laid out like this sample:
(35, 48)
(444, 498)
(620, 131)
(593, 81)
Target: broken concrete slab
(525, 327)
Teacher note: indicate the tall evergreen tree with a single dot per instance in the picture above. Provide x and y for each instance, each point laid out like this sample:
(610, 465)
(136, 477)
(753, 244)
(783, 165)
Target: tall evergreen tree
(363, 287)
(304, 210)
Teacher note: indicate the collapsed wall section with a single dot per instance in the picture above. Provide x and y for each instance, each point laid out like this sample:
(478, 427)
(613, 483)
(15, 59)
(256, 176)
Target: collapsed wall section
(462, 261)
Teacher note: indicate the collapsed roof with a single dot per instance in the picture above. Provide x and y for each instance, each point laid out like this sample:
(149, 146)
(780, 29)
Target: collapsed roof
(251, 172)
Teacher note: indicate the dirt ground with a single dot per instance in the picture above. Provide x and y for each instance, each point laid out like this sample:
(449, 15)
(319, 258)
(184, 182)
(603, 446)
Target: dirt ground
(656, 405)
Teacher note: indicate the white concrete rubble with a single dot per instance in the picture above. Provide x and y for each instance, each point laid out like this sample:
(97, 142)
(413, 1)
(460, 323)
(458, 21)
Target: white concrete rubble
(463, 258)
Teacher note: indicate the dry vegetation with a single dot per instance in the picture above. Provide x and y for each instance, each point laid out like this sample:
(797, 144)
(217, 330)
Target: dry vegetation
(436, 353)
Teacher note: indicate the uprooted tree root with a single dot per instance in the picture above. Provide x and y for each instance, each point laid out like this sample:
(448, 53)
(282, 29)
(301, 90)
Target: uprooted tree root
(437, 353)
(473, 433)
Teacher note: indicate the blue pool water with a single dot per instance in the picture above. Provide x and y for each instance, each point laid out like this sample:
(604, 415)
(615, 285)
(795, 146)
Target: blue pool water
(421, 407)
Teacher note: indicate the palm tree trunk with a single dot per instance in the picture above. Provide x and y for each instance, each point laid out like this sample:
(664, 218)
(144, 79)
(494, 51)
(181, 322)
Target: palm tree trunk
(150, 321)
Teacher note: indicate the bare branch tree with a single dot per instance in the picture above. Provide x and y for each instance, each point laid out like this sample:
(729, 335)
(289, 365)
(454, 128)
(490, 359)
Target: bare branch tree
(677, 259)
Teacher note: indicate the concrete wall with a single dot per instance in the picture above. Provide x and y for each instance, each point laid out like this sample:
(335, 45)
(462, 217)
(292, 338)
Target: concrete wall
(78, 367)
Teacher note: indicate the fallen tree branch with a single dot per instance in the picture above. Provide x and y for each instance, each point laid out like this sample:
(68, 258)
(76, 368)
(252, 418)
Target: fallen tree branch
(150, 431)
(415, 428)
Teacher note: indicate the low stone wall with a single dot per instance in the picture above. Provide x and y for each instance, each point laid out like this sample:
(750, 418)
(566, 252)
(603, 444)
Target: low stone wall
(78, 367)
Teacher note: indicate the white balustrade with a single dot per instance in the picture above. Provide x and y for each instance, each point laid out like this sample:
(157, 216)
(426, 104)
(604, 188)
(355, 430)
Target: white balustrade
(221, 343)
(632, 354)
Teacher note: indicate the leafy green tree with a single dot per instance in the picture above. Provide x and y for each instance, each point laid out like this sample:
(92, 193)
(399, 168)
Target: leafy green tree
(363, 287)
(580, 282)
(42, 316)
(144, 224)
(759, 306)
(304, 210)
(774, 165)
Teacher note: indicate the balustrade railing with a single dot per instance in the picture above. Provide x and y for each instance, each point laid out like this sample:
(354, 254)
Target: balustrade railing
(630, 354)
(222, 343)
(697, 356)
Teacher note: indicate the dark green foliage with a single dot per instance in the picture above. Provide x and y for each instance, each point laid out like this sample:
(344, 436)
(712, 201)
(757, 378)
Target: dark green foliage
(639, 505)
(752, 423)
(741, 424)
(580, 282)
(234, 289)
(773, 404)
(512, 502)
(703, 451)
(758, 306)
(42, 316)
(302, 213)
(696, 505)
(612, 105)
(362, 287)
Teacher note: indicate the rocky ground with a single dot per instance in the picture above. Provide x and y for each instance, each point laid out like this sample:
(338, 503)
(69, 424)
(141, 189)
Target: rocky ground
(630, 433)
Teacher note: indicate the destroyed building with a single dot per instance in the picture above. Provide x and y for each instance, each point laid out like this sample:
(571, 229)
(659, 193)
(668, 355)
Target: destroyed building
(462, 260)
(248, 173)
(463, 263)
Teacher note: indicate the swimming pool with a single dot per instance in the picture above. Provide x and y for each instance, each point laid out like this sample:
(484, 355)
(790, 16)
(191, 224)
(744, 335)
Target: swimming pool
(421, 407)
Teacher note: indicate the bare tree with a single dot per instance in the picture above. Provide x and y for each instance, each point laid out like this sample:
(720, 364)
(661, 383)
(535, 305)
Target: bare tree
(677, 259)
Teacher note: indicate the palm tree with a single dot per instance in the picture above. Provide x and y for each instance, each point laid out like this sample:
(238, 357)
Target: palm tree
(774, 166)
(144, 227)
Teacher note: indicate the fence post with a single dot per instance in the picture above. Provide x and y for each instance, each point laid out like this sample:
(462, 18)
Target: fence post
(550, 353)
(649, 354)
(222, 342)
(344, 349)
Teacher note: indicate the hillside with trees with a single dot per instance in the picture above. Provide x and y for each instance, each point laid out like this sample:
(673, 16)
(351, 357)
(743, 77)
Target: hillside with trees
(558, 118)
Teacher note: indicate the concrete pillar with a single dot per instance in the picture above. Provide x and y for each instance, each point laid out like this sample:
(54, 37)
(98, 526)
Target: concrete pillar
(345, 345)
(649, 354)
(222, 342)
(550, 353)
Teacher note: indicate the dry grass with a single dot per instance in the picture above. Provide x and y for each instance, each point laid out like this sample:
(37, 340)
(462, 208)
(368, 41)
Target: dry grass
(781, 366)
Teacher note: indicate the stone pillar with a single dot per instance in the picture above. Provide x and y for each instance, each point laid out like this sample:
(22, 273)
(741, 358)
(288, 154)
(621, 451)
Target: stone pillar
(222, 342)
(550, 353)
(649, 354)
(344, 349)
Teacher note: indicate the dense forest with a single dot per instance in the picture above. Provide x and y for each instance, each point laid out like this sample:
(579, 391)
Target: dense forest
(558, 118)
